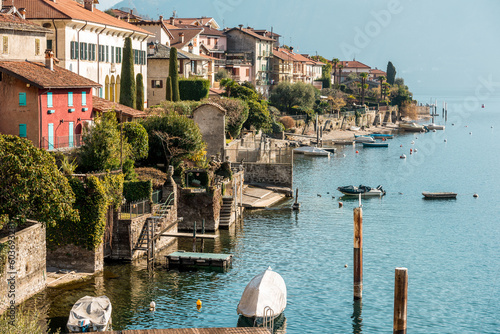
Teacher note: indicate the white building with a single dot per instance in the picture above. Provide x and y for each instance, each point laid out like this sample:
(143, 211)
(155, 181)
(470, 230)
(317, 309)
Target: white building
(89, 42)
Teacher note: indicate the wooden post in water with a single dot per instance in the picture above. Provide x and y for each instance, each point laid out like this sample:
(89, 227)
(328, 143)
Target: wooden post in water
(194, 237)
(358, 252)
(296, 205)
(317, 130)
(400, 300)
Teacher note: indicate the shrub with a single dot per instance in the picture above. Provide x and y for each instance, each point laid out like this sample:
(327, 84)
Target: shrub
(151, 174)
(221, 74)
(193, 89)
(137, 137)
(181, 107)
(173, 74)
(288, 122)
(139, 99)
(127, 86)
(236, 114)
(137, 190)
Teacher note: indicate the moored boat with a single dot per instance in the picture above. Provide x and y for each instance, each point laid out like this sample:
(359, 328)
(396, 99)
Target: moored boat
(376, 144)
(412, 127)
(365, 191)
(433, 126)
(382, 135)
(90, 314)
(311, 150)
(438, 195)
(364, 139)
(264, 297)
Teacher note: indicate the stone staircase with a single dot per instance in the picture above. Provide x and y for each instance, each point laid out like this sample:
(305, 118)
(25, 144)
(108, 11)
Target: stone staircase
(227, 216)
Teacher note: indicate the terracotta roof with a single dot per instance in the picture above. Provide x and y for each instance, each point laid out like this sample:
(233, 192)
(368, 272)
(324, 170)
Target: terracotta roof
(301, 58)
(283, 54)
(69, 9)
(353, 64)
(39, 76)
(378, 72)
(14, 22)
(208, 57)
(266, 32)
(102, 105)
(192, 21)
(252, 33)
(207, 30)
(124, 15)
(189, 34)
(166, 27)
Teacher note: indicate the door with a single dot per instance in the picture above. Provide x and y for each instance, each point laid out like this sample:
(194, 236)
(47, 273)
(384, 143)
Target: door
(70, 135)
(51, 136)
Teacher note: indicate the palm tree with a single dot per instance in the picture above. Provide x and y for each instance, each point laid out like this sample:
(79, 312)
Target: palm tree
(228, 83)
(386, 88)
(363, 83)
(335, 62)
(381, 79)
(340, 67)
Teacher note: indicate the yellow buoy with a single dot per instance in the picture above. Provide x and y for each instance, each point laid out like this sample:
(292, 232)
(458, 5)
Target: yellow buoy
(198, 302)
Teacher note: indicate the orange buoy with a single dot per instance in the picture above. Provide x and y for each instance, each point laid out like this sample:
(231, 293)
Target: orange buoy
(341, 204)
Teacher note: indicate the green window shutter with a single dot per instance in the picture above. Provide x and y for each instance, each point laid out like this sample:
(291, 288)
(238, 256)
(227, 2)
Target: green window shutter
(107, 53)
(112, 54)
(22, 130)
(84, 98)
(49, 100)
(70, 99)
(72, 53)
(22, 99)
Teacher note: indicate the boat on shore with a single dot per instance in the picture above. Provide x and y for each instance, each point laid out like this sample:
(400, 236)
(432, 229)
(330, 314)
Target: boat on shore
(364, 139)
(90, 314)
(354, 128)
(439, 195)
(365, 191)
(411, 127)
(311, 150)
(376, 144)
(264, 298)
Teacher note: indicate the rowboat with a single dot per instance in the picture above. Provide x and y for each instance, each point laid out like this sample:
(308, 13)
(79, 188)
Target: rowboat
(264, 297)
(363, 190)
(439, 195)
(311, 150)
(90, 314)
(375, 144)
(382, 135)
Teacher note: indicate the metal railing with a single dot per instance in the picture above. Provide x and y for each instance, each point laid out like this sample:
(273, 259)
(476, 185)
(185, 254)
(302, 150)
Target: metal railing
(275, 156)
(135, 209)
(61, 142)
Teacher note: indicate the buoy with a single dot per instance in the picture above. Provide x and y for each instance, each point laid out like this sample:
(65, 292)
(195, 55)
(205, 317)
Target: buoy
(343, 155)
(415, 151)
(357, 151)
(466, 126)
(401, 145)
(482, 106)
(345, 265)
(402, 156)
(333, 197)
(452, 124)
(411, 151)
(434, 130)
(198, 302)
(152, 306)
(341, 204)
(318, 195)
(475, 195)
(470, 133)
(412, 142)
(445, 140)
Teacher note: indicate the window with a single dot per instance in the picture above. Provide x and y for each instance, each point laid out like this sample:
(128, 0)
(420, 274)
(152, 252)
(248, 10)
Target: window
(37, 47)
(74, 50)
(117, 55)
(120, 54)
(83, 51)
(248, 72)
(112, 54)
(84, 98)
(49, 100)
(107, 53)
(22, 130)
(91, 52)
(22, 99)
(136, 57)
(70, 99)
(5, 44)
(143, 57)
(49, 44)
(156, 83)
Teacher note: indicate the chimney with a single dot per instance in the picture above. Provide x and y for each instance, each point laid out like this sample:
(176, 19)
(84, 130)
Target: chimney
(22, 11)
(172, 20)
(181, 37)
(49, 60)
(161, 18)
(240, 25)
(291, 49)
(88, 4)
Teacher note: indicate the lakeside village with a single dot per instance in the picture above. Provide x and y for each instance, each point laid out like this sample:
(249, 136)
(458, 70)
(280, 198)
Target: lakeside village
(120, 135)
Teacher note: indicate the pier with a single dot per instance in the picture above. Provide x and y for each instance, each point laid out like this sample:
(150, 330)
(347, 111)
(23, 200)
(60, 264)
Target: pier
(182, 259)
(236, 330)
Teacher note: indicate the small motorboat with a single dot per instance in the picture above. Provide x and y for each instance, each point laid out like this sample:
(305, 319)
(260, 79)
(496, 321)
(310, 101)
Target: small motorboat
(433, 126)
(264, 298)
(363, 190)
(90, 314)
(376, 144)
(382, 135)
(402, 156)
(354, 128)
(439, 195)
(311, 150)
(412, 127)
(364, 139)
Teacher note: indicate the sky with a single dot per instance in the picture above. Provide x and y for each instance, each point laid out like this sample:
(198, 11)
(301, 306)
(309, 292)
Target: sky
(437, 46)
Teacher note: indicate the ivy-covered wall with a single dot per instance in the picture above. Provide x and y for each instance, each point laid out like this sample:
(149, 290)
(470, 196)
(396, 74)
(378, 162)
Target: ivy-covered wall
(137, 190)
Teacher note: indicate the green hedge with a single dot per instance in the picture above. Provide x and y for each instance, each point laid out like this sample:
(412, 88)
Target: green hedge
(137, 190)
(193, 89)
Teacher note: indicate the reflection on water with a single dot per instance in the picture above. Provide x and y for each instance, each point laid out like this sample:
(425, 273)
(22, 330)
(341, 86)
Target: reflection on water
(277, 325)
(357, 320)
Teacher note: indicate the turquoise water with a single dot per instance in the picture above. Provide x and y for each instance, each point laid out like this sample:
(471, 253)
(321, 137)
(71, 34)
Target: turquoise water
(450, 247)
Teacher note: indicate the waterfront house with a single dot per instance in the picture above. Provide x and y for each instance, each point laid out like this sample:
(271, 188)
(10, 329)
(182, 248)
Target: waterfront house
(349, 67)
(282, 66)
(44, 103)
(376, 73)
(89, 42)
(249, 57)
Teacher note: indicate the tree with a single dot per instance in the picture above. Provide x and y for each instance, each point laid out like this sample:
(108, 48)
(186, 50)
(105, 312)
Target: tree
(391, 73)
(139, 104)
(340, 67)
(381, 79)
(228, 84)
(236, 115)
(286, 95)
(137, 137)
(258, 116)
(168, 87)
(335, 62)
(127, 85)
(399, 82)
(222, 73)
(102, 146)
(31, 185)
(174, 75)
(363, 86)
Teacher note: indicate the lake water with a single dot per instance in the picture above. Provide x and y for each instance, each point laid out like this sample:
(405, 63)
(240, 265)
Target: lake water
(450, 247)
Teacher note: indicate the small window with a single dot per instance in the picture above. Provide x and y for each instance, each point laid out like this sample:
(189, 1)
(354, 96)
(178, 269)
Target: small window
(157, 83)
(5, 44)
(49, 100)
(22, 99)
(22, 130)
(49, 44)
(84, 98)
(37, 47)
(70, 99)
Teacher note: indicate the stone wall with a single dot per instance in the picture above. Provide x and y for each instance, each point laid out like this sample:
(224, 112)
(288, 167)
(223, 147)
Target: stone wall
(275, 174)
(24, 275)
(76, 258)
(194, 207)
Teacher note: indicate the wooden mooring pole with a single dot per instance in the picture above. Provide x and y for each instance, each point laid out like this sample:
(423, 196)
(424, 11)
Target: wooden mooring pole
(358, 252)
(194, 237)
(400, 300)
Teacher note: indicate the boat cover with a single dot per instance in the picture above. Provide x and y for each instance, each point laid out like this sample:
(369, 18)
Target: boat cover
(95, 309)
(355, 190)
(267, 289)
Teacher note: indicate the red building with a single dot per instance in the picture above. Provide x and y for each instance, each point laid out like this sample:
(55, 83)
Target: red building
(45, 103)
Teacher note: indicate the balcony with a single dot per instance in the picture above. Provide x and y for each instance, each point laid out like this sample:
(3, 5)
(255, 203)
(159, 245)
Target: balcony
(61, 142)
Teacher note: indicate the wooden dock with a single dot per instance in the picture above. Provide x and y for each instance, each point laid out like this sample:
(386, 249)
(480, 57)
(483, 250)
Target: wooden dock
(235, 330)
(182, 259)
(189, 235)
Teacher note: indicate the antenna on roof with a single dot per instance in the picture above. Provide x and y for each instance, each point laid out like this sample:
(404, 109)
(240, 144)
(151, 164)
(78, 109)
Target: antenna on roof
(174, 13)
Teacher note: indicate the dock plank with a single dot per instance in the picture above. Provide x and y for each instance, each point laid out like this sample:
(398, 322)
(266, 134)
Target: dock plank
(189, 235)
(231, 330)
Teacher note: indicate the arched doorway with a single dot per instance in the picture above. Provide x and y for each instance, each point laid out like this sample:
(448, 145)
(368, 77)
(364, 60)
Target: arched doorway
(117, 93)
(106, 88)
(112, 89)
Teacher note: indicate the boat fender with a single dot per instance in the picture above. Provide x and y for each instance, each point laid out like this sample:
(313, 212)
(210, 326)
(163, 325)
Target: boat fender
(345, 265)
(152, 306)
(445, 141)
(341, 204)
(475, 195)
(357, 151)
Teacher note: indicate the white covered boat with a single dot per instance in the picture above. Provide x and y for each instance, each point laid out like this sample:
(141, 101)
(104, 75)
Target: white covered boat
(412, 127)
(311, 150)
(364, 139)
(263, 297)
(433, 126)
(90, 314)
(363, 190)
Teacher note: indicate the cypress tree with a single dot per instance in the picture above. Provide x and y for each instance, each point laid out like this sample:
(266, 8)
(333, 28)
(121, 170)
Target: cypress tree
(127, 85)
(168, 87)
(139, 100)
(391, 73)
(174, 76)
